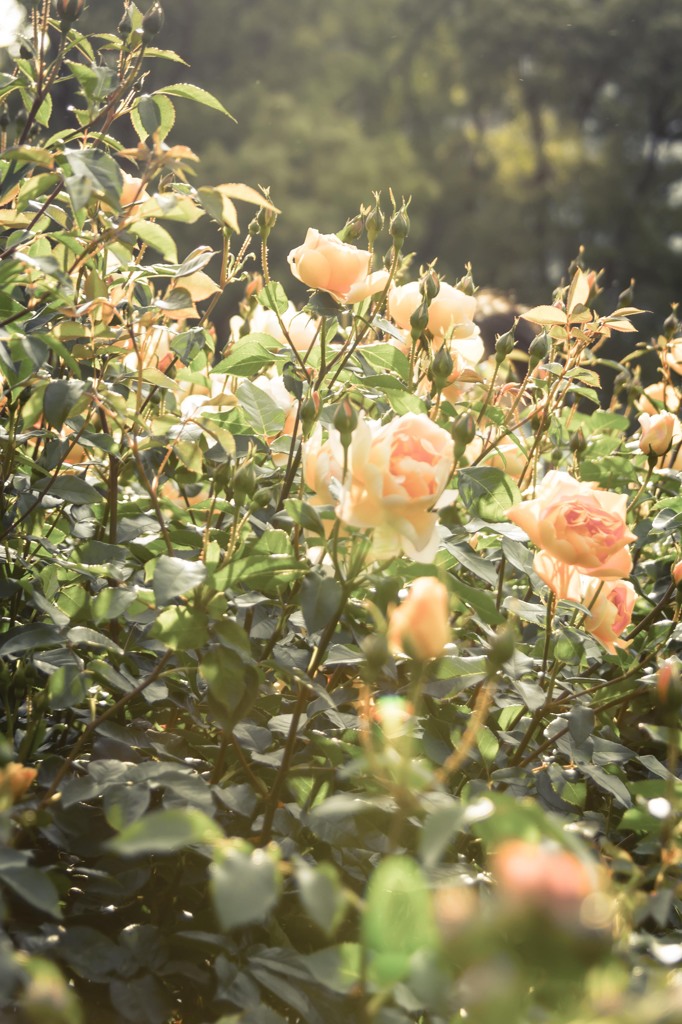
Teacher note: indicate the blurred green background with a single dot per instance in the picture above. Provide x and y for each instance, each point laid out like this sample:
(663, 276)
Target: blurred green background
(521, 129)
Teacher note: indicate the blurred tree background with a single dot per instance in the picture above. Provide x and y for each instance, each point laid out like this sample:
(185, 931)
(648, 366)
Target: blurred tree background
(523, 130)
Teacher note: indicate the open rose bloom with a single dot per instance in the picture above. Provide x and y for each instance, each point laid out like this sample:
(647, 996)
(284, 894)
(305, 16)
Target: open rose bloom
(395, 475)
(578, 524)
(330, 265)
(610, 603)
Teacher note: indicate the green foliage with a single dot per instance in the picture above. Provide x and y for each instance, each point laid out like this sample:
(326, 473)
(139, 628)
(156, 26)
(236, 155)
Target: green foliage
(297, 724)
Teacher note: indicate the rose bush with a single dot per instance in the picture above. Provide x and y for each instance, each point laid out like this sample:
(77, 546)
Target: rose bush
(339, 658)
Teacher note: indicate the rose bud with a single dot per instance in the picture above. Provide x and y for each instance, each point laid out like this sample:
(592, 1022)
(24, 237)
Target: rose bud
(657, 432)
(420, 625)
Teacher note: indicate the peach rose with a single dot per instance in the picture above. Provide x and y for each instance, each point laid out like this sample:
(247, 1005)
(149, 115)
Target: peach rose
(326, 263)
(396, 474)
(657, 432)
(677, 573)
(610, 603)
(323, 466)
(16, 779)
(658, 396)
(450, 308)
(420, 626)
(579, 524)
(546, 878)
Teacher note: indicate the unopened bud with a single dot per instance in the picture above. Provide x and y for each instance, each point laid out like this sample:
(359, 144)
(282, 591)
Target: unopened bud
(352, 229)
(152, 23)
(69, 11)
(464, 430)
(441, 368)
(429, 284)
(627, 297)
(671, 324)
(556, 456)
(504, 345)
(677, 573)
(310, 410)
(345, 421)
(375, 650)
(261, 498)
(669, 685)
(374, 222)
(266, 220)
(420, 319)
(125, 25)
(501, 647)
(538, 349)
(577, 442)
(466, 284)
(399, 226)
(244, 482)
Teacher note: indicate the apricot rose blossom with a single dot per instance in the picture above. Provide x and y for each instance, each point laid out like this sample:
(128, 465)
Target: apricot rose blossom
(609, 602)
(395, 474)
(420, 625)
(578, 524)
(333, 266)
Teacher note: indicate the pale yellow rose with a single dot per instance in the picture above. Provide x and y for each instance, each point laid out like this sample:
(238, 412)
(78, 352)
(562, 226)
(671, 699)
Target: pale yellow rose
(396, 474)
(609, 602)
(579, 524)
(450, 308)
(657, 432)
(664, 395)
(323, 466)
(420, 626)
(301, 328)
(330, 265)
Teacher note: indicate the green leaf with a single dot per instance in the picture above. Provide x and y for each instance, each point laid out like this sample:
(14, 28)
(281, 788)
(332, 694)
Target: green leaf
(305, 515)
(273, 297)
(439, 829)
(175, 576)
(175, 298)
(125, 804)
(156, 236)
(141, 1000)
(398, 920)
(321, 894)
(33, 887)
(99, 169)
(59, 399)
(190, 343)
(244, 886)
(477, 600)
(186, 91)
(487, 493)
(249, 355)
(165, 832)
(321, 598)
(153, 114)
(387, 357)
(74, 490)
(264, 415)
(181, 629)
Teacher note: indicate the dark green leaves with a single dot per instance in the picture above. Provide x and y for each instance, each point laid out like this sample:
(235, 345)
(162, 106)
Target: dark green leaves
(245, 886)
(487, 493)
